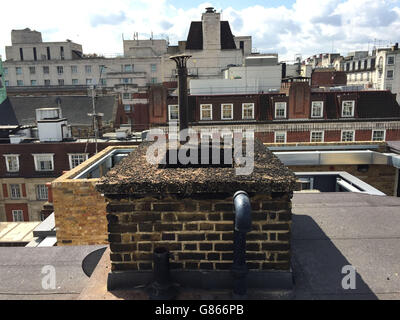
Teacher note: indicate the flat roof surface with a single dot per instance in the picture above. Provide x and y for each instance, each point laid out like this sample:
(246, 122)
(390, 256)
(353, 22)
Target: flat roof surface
(21, 272)
(17, 231)
(330, 231)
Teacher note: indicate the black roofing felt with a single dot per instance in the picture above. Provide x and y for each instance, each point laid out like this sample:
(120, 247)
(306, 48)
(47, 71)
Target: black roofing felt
(195, 36)
(7, 114)
(74, 108)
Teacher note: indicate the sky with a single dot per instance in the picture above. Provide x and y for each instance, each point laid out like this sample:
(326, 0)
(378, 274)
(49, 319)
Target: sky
(287, 27)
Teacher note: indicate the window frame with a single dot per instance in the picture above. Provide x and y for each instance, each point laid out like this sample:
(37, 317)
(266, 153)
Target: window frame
(247, 104)
(15, 193)
(71, 160)
(280, 132)
(378, 130)
(317, 131)
(169, 112)
(20, 215)
(222, 111)
(276, 109)
(345, 130)
(39, 188)
(60, 70)
(322, 109)
(36, 157)
(352, 110)
(387, 76)
(202, 108)
(88, 69)
(394, 60)
(7, 164)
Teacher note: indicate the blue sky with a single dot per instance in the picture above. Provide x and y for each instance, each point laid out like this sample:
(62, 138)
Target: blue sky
(286, 27)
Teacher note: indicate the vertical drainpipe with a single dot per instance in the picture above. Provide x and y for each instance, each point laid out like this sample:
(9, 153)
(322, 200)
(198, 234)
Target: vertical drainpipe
(243, 225)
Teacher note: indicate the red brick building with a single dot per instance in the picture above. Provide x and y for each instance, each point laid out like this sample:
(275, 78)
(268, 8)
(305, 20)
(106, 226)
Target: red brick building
(26, 168)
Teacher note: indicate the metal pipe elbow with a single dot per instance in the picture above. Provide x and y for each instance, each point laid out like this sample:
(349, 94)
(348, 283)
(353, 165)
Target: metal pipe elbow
(241, 202)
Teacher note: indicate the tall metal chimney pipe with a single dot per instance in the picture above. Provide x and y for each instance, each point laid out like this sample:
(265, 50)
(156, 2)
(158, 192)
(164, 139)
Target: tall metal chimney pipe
(180, 61)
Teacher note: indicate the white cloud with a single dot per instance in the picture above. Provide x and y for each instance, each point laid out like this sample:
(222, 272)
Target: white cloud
(308, 27)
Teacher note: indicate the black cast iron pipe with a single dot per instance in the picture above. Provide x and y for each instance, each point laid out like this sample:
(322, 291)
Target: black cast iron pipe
(162, 287)
(241, 202)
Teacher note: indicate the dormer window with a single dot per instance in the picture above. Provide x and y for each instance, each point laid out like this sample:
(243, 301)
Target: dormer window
(317, 108)
(206, 112)
(173, 112)
(44, 162)
(12, 162)
(248, 111)
(348, 109)
(280, 110)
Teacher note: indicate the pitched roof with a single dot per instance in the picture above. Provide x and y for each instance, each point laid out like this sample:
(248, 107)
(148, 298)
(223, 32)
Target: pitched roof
(195, 36)
(7, 114)
(74, 108)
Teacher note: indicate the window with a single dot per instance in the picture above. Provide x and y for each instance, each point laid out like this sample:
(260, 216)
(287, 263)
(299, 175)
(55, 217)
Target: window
(206, 112)
(126, 96)
(127, 108)
(74, 69)
(173, 112)
(76, 159)
(75, 81)
(128, 68)
(102, 68)
(21, 53)
(348, 135)
(20, 83)
(126, 80)
(48, 53)
(46, 82)
(280, 137)
(348, 109)
(44, 162)
(46, 70)
(88, 69)
(317, 108)
(389, 74)
(60, 69)
(12, 162)
(280, 110)
(247, 111)
(62, 53)
(41, 192)
(316, 136)
(103, 82)
(33, 82)
(5, 70)
(378, 135)
(32, 70)
(60, 82)
(153, 80)
(18, 70)
(18, 215)
(153, 68)
(227, 111)
(34, 54)
(88, 81)
(15, 191)
(6, 83)
(390, 60)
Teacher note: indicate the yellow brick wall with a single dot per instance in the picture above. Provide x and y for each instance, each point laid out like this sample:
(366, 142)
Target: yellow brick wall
(80, 213)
